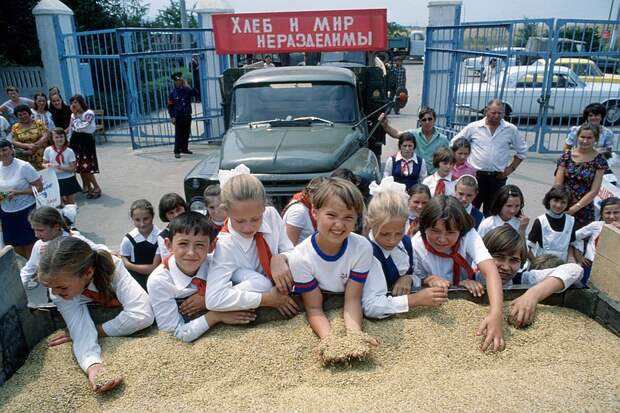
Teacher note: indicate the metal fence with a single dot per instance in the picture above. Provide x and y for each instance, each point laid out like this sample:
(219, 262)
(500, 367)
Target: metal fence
(126, 74)
(28, 79)
(545, 70)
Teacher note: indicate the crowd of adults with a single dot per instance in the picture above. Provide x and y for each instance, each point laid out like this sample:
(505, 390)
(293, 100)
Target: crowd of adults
(492, 139)
(25, 132)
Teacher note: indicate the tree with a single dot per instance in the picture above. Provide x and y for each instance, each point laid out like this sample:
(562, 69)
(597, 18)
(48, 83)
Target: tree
(397, 30)
(107, 14)
(171, 16)
(18, 37)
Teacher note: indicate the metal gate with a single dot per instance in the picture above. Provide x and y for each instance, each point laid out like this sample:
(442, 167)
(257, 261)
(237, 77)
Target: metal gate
(125, 73)
(545, 70)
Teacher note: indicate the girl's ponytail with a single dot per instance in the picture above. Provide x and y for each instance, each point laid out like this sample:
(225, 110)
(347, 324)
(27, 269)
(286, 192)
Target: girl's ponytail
(104, 268)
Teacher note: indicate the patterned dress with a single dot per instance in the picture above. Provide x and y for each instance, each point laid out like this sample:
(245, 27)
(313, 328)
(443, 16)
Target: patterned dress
(30, 134)
(579, 177)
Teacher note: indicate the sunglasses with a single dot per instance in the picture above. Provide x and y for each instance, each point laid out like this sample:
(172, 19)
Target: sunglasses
(427, 119)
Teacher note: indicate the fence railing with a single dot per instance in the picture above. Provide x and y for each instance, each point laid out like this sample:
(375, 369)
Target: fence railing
(28, 79)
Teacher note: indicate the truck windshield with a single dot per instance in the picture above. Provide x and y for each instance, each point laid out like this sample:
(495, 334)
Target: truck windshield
(331, 101)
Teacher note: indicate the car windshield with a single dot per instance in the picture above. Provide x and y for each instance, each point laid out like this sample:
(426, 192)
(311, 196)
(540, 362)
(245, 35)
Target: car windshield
(349, 57)
(586, 69)
(335, 102)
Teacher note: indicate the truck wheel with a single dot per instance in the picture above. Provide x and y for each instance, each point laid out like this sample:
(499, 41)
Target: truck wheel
(612, 117)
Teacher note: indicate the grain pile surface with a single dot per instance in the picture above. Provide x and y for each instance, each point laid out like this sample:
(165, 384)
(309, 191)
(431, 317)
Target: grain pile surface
(428, 361)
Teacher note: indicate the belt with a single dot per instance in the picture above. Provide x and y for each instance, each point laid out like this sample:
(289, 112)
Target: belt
(488, 173)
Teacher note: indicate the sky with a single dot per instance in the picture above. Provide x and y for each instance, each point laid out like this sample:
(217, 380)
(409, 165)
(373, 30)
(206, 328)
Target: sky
(415, 12)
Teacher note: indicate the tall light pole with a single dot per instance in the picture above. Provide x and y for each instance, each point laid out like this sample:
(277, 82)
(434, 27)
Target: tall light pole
(183, 10)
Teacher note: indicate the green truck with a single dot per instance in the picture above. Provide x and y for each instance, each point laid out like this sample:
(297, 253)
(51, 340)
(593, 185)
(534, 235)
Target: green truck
(291, 124)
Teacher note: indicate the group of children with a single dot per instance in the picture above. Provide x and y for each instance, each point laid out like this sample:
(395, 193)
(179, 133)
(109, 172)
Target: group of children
(405, 249)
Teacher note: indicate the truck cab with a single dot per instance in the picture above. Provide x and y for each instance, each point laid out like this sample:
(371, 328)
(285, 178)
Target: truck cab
(291, 124)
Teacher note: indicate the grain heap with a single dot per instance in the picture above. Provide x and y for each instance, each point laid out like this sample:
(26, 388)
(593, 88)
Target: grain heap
(428, 361)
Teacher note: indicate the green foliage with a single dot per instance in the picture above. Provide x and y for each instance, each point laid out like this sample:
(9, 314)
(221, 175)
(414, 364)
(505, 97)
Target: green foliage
(107, 14)
(397, 30)
(19, 44)
(589, 35)
(171, 16)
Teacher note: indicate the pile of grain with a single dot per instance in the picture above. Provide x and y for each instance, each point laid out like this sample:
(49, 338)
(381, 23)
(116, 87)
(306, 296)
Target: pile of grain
(428, 361)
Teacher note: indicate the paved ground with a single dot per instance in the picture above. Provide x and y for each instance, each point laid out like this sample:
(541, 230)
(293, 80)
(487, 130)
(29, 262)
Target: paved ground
(127, 175)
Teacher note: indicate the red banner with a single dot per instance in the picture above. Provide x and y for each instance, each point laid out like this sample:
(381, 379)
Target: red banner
(302, 31)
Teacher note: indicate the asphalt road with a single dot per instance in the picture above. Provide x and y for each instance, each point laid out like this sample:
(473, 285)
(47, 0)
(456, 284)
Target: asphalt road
(128, 175)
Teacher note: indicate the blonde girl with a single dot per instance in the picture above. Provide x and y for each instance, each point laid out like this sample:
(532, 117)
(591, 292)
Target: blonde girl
(78, 275)
(248, 259)
(47, 224)
(393, 261)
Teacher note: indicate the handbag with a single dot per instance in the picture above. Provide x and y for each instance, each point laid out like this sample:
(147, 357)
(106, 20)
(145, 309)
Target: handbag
(50, 195)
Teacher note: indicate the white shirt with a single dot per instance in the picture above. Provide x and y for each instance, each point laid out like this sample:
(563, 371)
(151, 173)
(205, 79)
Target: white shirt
(165, 286)
(312, 268)
(401, 260)
(495, 221)
(84, 123)
(68, 156)
(569, 274)
(298, 216)
(32, 265)
(554, 242)
(492, 152)
(136, 315)
(126, 248)
(375, 301)
(234, 252)
(432, 181)
(472, 249)
(5, 129)
(389, 164)
(591, 231)
(45, 118)
(19, 175)
(161, 247)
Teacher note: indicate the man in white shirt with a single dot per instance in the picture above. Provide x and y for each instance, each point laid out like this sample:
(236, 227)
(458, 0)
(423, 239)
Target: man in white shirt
(492, 138)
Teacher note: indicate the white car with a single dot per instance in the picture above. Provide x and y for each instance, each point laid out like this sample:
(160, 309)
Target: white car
(474, 64)
(523, 94)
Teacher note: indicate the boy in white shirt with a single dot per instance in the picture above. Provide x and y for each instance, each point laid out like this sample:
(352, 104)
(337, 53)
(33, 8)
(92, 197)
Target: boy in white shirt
(178, 285)
(440, 183)
(509, 252)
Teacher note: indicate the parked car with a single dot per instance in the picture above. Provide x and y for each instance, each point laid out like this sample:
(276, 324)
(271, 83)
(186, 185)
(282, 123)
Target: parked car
(417, 44)
(523, 94)
(586, 69)
(473, 65)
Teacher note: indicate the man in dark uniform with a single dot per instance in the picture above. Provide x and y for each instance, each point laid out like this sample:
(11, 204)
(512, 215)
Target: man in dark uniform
(180, 110)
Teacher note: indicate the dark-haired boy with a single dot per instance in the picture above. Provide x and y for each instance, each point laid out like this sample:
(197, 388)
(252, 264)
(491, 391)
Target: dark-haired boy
(177, 287)
(509, 252)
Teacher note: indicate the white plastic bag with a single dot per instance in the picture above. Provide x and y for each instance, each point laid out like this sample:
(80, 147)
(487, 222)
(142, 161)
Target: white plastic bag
(50, 195)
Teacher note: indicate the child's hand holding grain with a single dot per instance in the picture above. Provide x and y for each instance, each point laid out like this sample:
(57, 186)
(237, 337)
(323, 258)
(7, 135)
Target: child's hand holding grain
(429, 297)
(436, 281)
(522, 311)
(193, 305)
(491, 330)
(474, 287)
(281, 274)
(402, 286)
(282, 302)
(99, 382)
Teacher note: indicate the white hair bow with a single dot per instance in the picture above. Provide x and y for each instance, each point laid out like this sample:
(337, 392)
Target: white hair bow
(223, 175)
(387, 184)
